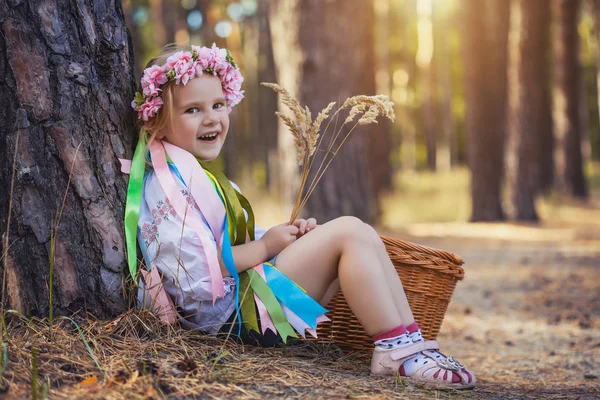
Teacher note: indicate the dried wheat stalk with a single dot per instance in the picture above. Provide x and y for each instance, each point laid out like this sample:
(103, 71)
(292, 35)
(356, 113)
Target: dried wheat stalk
(308, 138)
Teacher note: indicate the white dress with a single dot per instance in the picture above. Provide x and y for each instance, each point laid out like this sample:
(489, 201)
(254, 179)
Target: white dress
(176, 250)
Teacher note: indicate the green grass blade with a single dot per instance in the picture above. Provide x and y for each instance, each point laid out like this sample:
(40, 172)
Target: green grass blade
(24, 319)
(85, 342)
(4, 359)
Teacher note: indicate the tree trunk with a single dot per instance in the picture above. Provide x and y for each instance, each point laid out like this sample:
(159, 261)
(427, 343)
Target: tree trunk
(380, 145)
(267, 104)
(485, 46)
(324, 52)
(530, 106)
(427, 78)
(567, 120)
(447, 149)
(66, 85)
(136, 41)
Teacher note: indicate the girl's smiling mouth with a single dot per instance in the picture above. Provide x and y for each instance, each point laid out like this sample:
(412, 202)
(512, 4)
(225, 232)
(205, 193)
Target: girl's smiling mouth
(209, 137)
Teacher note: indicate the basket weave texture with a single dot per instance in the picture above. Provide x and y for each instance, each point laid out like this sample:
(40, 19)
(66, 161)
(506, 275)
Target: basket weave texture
(428, 276)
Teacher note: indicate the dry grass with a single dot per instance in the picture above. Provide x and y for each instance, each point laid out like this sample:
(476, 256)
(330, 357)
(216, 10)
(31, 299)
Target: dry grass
(138, 357)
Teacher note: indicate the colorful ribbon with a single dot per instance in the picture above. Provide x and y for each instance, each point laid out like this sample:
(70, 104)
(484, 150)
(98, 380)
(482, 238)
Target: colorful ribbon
(200, 187)
(235, 202)
(290, 294)
(132, 206)
(265, 293)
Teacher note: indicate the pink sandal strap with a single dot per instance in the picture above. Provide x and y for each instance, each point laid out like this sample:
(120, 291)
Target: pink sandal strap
(410, 350)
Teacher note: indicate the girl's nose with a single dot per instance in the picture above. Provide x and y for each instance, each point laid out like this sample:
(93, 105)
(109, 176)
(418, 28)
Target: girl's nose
(211, 118)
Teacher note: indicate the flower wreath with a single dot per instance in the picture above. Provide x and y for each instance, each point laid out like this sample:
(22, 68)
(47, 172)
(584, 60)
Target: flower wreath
(183, 66)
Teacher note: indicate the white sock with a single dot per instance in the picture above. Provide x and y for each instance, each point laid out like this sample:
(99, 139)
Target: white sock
(412, 364)
(394, 342)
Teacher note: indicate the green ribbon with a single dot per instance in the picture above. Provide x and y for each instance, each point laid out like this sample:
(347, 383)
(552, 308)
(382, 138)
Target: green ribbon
(235, 203)
(247, 305)
(265, 294)
(132, 205)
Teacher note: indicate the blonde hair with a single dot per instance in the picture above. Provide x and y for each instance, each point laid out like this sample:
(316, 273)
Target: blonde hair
(151, 128)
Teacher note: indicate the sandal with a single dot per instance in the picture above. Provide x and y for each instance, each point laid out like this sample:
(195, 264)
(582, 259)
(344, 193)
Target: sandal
(436, 372)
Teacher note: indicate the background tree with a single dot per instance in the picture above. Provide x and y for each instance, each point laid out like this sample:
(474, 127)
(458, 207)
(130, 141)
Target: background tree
(266, 136)
(313, 65)
(381, 171)
(530, 111)
(65, 88)
(485, 48)
(567, 101)
(447, 148)
(426, 61)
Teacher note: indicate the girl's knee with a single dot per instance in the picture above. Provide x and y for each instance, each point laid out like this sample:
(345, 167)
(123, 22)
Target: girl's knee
(353, 229)
(373, 234)
(348, 226)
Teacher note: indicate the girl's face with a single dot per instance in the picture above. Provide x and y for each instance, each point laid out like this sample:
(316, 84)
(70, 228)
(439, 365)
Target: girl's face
(200, 117)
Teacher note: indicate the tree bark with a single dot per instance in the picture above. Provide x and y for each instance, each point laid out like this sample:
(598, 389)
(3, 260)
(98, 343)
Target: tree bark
(530, 107)
(567, 154)
(65, 87)
(324, 52)
(485, 47)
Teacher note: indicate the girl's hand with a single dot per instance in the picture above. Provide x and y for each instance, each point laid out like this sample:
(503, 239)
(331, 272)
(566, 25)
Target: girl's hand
(278, 238)
(305, 225)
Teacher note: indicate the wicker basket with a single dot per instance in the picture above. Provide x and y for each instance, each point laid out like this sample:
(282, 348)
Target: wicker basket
(428, 276)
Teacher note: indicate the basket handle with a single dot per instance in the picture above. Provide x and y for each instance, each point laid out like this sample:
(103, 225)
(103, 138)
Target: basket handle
(453, 258)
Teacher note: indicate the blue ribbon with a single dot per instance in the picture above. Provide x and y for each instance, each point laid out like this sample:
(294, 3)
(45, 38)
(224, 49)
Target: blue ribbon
(230, 265)
(290, 294)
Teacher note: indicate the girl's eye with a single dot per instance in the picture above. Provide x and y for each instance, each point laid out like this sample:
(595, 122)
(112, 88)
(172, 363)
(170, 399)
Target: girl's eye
(192, 110)
(218, 105)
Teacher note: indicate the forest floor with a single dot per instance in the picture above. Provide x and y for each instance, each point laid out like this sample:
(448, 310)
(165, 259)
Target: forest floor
(526, 320)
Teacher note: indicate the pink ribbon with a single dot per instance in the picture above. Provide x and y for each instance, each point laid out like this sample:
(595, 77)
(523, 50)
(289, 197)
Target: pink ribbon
(161, 303)
(180, 205)
(125, 165)
(210, 204)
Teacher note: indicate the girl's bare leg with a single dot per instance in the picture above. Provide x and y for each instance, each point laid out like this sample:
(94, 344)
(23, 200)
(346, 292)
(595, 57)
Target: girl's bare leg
(343, 248)
(392, 278)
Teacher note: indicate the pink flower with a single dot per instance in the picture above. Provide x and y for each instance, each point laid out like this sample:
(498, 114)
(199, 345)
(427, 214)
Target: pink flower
(232, 80)
(218, 53)
(199, 68)
(171, 61)
(152, 79)
(183, 64)
(233, 97)
(204, 57)
(221, 66)
(150, 108)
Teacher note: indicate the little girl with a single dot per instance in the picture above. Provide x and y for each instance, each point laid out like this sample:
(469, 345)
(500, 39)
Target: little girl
(195, 227)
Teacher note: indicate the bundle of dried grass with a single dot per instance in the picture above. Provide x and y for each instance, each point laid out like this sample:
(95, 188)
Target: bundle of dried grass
(308, 138)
